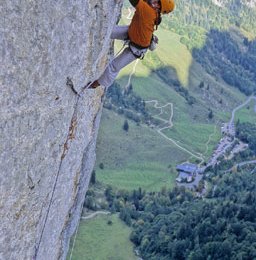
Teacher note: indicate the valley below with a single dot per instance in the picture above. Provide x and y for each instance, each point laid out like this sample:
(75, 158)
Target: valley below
(189, 103)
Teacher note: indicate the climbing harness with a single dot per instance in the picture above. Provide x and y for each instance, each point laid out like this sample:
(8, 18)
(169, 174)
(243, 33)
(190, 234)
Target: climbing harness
(137, 51)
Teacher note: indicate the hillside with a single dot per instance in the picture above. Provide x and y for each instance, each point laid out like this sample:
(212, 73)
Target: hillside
(168, 109)
(202, 82)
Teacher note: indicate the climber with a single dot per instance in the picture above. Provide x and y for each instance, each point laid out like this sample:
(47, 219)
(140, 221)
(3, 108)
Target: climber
(139, 33)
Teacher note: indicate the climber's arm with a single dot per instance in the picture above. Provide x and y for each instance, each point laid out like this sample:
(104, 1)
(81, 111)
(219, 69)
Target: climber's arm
(134, 2)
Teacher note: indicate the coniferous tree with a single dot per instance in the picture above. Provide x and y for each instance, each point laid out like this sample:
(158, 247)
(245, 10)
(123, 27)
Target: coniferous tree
(93, 177)
(126, 125)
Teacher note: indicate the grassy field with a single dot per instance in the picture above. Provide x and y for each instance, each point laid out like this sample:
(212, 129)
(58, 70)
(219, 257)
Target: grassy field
(150, 177)
(98, 240)
(137, 158)
(246, 114)
(196, 137)
(143, 158)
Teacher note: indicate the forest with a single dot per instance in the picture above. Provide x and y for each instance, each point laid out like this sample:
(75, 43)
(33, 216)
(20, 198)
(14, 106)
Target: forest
(246, 132)
(192, 19)
(183, 224)
(177, 224)
(126, 102)
(217, 40)
(223, 56)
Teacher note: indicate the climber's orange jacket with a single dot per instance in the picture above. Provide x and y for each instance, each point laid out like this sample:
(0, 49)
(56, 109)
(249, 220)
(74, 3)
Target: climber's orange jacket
(142, 26)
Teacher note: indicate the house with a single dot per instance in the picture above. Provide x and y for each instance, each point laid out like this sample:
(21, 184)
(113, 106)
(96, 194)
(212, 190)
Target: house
(187, 172)
(224, 128)
(184, 177)
(187, 168)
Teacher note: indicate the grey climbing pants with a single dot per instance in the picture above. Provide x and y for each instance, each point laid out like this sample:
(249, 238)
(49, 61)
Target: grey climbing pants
(126, 57)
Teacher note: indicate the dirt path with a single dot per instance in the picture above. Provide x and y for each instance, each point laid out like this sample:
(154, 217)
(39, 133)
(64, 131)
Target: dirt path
(94, 214)
(161, 111)
(169, 126)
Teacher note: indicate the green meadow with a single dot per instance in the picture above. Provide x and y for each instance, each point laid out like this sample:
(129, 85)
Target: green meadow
(104, 237)
(133, 159)
(150, 177)
(197, 138)
(247, 113)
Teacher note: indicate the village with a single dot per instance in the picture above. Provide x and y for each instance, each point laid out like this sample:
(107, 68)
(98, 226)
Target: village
(189, 175)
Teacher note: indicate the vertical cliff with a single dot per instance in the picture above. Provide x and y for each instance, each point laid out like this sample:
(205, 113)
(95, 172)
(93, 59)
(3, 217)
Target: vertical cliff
(47, 133)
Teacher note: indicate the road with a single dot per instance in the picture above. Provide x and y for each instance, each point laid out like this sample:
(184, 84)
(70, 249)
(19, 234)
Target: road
(191, 185)
(161, 111)
(222, 150)
(241, 164)
(247, 162)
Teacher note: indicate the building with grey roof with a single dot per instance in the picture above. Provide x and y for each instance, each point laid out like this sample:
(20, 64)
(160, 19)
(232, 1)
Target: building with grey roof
(187, 168)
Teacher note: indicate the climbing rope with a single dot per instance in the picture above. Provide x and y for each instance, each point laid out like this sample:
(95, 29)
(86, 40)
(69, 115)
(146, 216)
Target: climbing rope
(72, 249)
(79, 94)
(57, 177)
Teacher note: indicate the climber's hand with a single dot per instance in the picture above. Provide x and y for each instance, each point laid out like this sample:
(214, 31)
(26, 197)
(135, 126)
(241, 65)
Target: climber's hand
(155, 39)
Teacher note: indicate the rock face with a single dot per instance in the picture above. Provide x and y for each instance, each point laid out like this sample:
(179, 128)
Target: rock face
(47, 133)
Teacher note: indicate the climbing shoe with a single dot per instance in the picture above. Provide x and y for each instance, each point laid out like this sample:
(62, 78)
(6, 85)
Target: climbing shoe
(92, 85)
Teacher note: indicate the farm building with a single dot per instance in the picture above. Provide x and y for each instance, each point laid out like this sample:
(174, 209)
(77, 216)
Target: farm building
(187, 172)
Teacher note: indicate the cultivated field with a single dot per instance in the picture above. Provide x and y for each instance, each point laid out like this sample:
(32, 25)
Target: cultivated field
(97, 239)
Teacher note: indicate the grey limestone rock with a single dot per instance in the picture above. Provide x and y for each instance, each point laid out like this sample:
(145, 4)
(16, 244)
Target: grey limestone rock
(47, 133)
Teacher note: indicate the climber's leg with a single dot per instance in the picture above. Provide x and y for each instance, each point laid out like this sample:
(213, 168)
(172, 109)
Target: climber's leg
(115, 66)
(120, 32)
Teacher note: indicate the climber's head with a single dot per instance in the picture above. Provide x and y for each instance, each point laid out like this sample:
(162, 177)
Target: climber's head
(167, 6)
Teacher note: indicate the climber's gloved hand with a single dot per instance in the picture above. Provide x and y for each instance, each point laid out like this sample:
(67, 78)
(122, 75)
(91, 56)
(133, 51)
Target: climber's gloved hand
(155, 39)
(154, 42)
